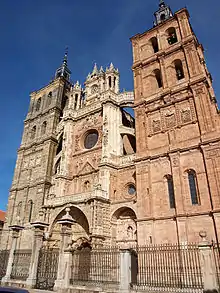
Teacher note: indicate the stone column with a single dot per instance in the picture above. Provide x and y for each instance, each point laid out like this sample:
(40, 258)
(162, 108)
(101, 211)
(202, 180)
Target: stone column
(207, 264)
(37, 244)
(65, 256)
(125, 270)
(15, 234)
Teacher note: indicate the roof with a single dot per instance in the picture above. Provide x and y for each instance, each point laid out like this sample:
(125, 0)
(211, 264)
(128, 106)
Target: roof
(2, 216)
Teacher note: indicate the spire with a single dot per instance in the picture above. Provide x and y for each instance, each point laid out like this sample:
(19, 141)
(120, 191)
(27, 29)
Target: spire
(163, 14)
(63, 70)
(65, 58)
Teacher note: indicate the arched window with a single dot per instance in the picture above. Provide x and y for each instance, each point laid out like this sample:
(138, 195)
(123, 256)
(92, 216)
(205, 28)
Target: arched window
(193, 187)
(171, 194)
(76, 100)
(172, 37)
(114, 82)
(158, 77)
(33, 132)
(49, 98)
(154, 44)
(162, 17)
(86, 185)
(179, 69)
(30, 209)
(43, 128)
(38, 104)
(109, 81)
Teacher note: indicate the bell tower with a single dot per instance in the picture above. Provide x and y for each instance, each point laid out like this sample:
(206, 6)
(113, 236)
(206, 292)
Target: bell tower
(177, 126)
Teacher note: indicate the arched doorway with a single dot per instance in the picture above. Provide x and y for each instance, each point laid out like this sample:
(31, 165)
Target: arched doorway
(124, 227)
(80, 229)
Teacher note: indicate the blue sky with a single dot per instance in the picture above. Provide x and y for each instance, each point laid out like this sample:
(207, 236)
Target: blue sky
(34, 35)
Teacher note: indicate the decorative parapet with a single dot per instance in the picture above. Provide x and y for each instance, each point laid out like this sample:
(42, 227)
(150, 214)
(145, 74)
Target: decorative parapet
(54, 201)
(127, 160)
(126, 98)
(120, 161)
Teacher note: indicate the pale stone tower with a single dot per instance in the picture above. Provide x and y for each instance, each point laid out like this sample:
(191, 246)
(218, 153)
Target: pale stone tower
(177, 132)
(34, 166)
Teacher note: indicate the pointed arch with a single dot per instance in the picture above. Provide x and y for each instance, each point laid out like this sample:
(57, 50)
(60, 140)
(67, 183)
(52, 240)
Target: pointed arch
(30, 210)
(33, 132)
(43, 127)
(179, 69)
(38, 104)
(170, 189)
(158, 77)
(171, 36)
(193, 187)
(154, 43)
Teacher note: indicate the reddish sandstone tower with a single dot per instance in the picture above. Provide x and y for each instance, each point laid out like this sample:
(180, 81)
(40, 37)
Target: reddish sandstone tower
(177, 133)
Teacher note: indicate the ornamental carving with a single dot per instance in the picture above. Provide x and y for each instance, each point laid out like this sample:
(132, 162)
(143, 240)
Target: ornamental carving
(213, 153)
(77, 147)
(105, 137)
(185, 115)
(90, 122)
(170, 120)
(199, 91)
(156, 125)
(87, 168)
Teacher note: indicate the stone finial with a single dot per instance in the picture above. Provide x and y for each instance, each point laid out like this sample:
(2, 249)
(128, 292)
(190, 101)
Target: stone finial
(95, 70)
(77, 85)
(101, 70)
(67, 218)
(111, 67)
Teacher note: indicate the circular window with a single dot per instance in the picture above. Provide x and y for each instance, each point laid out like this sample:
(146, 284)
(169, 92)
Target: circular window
(131, 189)
(91, 139)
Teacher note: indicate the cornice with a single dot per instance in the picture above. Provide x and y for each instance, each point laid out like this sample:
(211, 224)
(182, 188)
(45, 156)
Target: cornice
(174, 217)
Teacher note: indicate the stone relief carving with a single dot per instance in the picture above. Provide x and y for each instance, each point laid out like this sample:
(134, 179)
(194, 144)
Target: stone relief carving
(185, 115)
(91, 121)
(156, 125)
(77, 147)
(105, 137)
(38, 160)
(199, 91)
(170, 119)
(213, 153)
(87, 168)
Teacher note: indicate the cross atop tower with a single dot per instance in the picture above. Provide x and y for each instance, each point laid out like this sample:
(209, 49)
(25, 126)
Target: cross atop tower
(163, 13)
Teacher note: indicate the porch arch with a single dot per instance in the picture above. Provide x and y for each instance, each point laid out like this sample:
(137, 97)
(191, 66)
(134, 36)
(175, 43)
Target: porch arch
(124, 227)
(80, 228)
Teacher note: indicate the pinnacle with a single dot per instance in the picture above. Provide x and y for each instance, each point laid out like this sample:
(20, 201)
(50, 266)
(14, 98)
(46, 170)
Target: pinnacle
(111, 66)
(95, 69)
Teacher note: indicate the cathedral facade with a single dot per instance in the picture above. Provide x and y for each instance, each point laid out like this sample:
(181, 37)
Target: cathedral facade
(145, 180)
